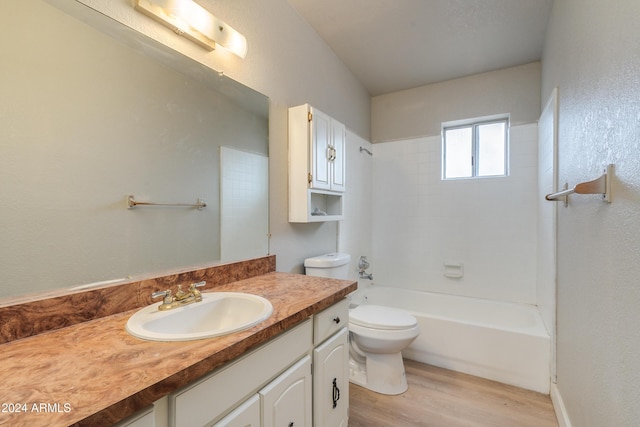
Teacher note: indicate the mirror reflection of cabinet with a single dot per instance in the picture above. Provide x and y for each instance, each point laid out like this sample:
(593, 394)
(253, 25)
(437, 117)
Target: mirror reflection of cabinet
(317, 166)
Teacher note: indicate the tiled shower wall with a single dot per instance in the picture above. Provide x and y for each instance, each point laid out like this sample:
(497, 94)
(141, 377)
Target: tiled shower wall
(487, 226)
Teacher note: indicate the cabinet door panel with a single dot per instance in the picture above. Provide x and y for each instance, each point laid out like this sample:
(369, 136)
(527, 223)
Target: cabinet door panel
(245, 415)
(320, 142)
(338, 166)
(286, 401)
(331, 381)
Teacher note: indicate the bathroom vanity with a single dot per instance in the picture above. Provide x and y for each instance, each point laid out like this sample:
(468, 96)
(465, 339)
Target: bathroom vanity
(299, 378)
(95, 373)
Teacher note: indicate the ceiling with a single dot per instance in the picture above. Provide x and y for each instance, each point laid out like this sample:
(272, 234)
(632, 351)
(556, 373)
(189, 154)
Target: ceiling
(392, 45)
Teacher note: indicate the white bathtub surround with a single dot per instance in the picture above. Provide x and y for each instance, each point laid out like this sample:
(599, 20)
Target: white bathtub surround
(488, 225)
(354, 232)
(501, 341)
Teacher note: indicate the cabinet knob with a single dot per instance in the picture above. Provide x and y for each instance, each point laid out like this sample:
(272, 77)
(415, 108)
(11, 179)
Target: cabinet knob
(336, 319)
(291, 424)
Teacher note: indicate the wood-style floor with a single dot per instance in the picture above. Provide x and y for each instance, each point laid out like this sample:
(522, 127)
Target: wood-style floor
(442, 398)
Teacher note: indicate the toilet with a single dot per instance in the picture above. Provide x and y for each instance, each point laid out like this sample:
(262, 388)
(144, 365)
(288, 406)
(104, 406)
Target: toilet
(377, 334)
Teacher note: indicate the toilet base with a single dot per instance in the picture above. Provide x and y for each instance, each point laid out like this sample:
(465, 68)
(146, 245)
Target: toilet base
(382, 373)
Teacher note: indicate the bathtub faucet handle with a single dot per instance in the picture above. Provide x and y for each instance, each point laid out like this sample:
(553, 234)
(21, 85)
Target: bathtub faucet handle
(363, 264)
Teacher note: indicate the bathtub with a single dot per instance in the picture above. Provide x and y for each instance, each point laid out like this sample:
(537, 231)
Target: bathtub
(500, 341)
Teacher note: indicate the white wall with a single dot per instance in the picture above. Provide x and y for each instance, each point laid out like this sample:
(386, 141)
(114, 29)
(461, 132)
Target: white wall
(546, 216)
(591, 54)
(421, 222)
(420, 111)
(355, 231)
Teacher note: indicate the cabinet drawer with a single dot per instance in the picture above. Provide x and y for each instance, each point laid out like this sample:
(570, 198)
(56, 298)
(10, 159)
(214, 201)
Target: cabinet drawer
(329, 321)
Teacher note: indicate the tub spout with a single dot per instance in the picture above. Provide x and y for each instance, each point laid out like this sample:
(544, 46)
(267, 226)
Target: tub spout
(365, 275)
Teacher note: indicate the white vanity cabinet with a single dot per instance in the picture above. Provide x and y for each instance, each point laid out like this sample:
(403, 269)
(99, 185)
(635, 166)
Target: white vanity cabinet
(317, 166)
(298, 379)
(230, 388)
(331, 367)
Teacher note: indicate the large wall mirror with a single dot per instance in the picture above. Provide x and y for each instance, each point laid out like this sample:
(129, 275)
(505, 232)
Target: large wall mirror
(89, 117)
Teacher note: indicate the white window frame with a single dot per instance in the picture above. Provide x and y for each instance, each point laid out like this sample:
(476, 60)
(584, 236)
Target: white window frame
(475, 160)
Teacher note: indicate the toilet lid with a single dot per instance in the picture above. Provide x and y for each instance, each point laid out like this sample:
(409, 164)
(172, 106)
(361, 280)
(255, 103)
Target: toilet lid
(375, 316)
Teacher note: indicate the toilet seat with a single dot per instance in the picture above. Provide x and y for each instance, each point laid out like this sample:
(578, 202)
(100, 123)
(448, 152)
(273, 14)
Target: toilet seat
(378, 317)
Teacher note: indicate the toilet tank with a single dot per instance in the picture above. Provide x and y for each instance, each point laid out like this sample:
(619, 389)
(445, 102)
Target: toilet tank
(334, 265)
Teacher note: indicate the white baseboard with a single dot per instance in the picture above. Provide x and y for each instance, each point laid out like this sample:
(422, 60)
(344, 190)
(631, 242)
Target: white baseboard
(558, 406)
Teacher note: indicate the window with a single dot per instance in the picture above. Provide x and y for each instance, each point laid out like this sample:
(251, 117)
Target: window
(475, 150)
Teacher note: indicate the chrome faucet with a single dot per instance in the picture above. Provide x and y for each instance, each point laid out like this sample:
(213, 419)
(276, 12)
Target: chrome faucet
(170, 301)
(363, 264)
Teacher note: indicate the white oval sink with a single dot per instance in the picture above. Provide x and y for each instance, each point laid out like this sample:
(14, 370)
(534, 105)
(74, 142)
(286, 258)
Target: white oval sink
(219, 313)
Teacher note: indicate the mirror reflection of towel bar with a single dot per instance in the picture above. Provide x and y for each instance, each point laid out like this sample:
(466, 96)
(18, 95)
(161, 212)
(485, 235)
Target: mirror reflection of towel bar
(600, 185)
(132, 203)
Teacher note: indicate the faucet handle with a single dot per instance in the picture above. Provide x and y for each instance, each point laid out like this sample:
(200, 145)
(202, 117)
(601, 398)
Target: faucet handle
(158, 294)
(196, 293)
(198, 285)
(166, 295)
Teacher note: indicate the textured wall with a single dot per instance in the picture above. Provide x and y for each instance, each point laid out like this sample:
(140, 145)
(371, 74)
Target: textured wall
(592, 55)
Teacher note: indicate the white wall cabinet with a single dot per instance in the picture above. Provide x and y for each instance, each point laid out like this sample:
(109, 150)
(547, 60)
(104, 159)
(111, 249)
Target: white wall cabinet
(317, 165)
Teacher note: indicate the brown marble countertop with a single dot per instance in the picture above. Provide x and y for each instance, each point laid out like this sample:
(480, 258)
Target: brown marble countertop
(95, 373)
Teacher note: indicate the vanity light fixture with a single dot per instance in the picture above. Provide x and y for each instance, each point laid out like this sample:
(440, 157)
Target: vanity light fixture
(191, 20)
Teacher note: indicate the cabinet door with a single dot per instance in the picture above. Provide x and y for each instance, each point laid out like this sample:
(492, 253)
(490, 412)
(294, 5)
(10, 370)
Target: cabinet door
(245, 415)
(331, 381)
(144, 418)
(338, 164)
(286, 401)
(320, 146)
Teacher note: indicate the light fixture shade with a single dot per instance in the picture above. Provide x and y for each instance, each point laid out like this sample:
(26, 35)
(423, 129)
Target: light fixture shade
(195, 23)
